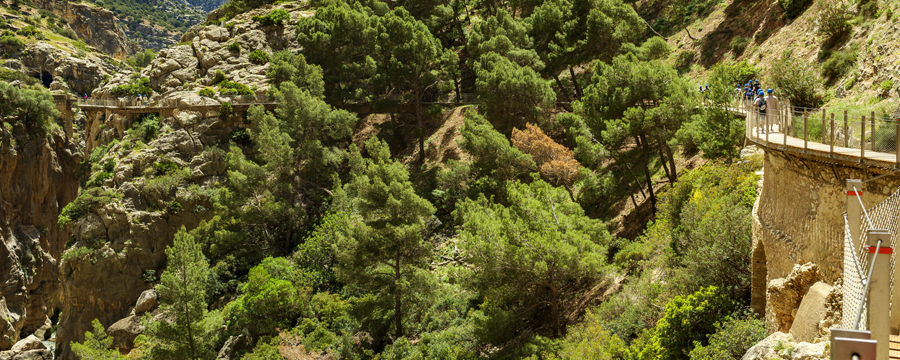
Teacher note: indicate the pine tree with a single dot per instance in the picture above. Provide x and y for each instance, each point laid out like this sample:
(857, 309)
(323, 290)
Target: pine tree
(533, 253)
(96, 345)
(182, 297)
(385, 251)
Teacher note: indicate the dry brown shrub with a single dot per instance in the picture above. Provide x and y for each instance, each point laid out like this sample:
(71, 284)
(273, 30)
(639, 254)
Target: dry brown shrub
(556, 162)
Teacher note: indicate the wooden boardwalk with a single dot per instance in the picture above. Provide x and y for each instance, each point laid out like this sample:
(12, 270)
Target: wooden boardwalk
(817, 151)
(157, 108)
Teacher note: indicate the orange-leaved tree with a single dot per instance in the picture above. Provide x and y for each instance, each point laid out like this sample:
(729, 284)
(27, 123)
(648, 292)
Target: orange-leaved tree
(556, 162)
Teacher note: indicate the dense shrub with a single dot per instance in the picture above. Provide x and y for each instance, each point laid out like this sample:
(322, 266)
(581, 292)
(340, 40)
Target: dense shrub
(219, 77)
(225, 109)
(84, 203)
(274, 17)
(687, 322)
(136, 87)
(259, 57)
(833, 22)
(732, 339)
(28, 31)
(233, 88)
(10, 43)
(206, 92)
(31, 106)
(12, 75)
(838, 64)
(738, 44)
(797, 80)
(141, 59)
(793, 8)
(234, 47)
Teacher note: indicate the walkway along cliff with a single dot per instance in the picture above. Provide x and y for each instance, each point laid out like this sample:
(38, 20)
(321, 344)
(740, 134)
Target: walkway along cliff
(799, 216)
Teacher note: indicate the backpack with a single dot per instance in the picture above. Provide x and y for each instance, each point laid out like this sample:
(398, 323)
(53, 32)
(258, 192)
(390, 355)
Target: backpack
(762, 104)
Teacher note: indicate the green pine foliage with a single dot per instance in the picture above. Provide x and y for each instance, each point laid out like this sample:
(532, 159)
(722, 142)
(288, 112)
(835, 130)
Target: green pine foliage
(329, 235)
(511, 95)
(182, 296)
(270, 300)
(528, 252)
(96, 345)
(383, 251)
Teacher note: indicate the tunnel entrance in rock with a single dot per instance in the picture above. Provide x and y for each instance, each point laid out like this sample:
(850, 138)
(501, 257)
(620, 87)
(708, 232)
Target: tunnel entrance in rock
(45, 78)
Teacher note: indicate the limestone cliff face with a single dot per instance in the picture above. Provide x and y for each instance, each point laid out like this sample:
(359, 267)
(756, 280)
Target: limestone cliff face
(128, 235)
(69, 73)
(97, 27)
(192, 66)
(37, 178)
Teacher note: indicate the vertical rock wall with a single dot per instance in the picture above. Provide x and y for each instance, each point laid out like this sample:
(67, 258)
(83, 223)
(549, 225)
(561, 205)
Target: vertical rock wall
(798, 219)
(37, 178)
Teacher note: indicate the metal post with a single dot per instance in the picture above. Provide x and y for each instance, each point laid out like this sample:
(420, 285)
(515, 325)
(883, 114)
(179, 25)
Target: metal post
(831, 143)
(879, 289)
(767, 127)
(846, 131)
(862, 141)
(805, 131)
(824, 124)
(872, 122)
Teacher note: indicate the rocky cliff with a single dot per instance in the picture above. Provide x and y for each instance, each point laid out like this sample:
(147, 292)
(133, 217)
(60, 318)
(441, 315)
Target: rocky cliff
(212, 48)
(97, 27)
(68, 72)
(37, 178)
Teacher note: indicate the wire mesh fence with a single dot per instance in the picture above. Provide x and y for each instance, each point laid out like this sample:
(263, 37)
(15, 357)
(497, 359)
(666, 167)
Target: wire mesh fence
(853, 298)
(884, 217)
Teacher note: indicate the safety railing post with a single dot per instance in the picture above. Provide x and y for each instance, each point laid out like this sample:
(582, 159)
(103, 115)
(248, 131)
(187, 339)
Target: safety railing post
(862, 140)
(805, 131)
(824, 125)
(831, 143)
(872, 122)
(846, 131)
(879, 284)
(768, 128)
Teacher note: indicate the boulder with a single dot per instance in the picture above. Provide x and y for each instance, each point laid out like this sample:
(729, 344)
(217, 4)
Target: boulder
(34, 355)
(807, 351)
(775, 346)
(148, 301)
(125, 331)
(234, 343)
(9, 323)
(813, 309)
(29, 343)
(784, 295)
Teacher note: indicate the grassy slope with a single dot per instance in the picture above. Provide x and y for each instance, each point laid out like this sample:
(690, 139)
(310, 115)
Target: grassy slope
(770, 33)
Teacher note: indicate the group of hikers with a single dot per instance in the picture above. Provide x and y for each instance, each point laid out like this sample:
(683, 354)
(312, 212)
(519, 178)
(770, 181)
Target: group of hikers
(752, 94)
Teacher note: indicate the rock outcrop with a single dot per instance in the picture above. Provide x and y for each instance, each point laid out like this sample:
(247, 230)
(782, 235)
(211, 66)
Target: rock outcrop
(96, 26)
(37, 178)
(125, 331)
(68, 72)
(209, 49)
(784, 295)
(813, 310)
(127, 236)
